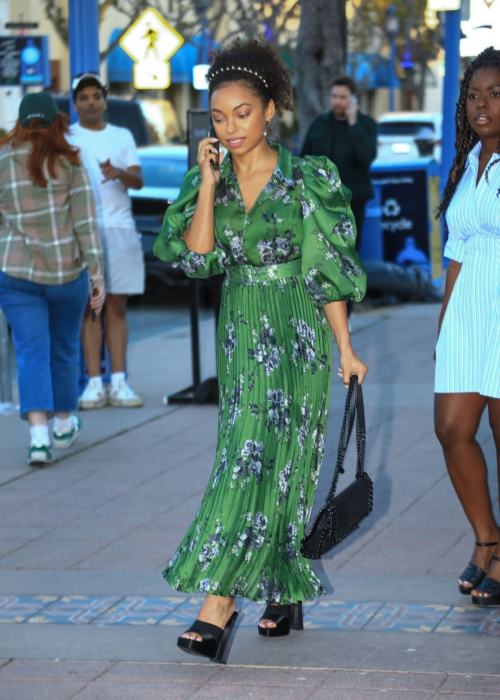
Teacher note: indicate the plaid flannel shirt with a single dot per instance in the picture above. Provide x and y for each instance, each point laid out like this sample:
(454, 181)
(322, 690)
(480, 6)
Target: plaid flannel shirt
(48, 234)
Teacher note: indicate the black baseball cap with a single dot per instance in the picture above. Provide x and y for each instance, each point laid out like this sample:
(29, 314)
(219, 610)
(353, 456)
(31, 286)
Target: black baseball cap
(40, 106)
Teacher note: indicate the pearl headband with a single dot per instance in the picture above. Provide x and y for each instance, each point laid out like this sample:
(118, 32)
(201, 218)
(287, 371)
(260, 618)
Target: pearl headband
(244, 70)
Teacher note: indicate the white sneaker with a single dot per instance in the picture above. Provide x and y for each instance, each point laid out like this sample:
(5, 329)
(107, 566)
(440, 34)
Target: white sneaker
(62, 439)
(94, 396)
(123, 396)
(39, 454)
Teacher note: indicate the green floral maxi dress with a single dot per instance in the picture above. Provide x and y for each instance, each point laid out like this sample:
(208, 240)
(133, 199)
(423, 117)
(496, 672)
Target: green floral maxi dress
(283, 260)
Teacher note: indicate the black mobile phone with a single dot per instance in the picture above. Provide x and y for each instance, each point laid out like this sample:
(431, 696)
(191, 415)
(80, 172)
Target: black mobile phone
(94, 314)
(213, 135)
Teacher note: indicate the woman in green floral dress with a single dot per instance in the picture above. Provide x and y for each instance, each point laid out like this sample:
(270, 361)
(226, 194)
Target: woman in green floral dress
(281, 230)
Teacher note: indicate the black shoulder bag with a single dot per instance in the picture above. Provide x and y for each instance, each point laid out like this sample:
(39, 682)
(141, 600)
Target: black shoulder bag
(342, 514)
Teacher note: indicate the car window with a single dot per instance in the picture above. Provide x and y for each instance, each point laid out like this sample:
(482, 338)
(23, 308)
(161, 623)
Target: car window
(163, 172)
(403, 128)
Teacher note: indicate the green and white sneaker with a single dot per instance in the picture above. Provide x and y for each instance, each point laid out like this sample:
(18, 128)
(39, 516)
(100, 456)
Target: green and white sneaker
(39, 455)
(61, 441)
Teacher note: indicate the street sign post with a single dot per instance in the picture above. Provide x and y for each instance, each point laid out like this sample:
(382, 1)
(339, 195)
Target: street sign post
(151, 42)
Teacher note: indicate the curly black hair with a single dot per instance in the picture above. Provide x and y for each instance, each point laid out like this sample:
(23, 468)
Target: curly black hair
(466, 136)
(262, 72)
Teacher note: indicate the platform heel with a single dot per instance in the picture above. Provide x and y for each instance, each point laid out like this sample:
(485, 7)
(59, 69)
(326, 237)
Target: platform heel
(216, 642)
(285, 617)
(473, 574)
(297, 619)
(490, 586)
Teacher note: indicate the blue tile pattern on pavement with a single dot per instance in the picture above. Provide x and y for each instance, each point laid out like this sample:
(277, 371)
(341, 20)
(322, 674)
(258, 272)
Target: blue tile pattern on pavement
(19, 608)
(181, 612)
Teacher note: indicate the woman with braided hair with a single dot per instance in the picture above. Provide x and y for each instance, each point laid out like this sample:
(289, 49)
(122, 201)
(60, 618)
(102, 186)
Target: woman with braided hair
(281, 230)
(468, 348)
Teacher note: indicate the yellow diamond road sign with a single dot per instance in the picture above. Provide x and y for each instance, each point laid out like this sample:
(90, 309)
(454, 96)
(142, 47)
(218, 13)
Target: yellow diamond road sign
(151, 41)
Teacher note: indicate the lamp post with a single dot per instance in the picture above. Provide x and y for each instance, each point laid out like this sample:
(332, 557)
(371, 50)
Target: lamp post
(450, 91)
(392, 31)
(201, 9)
(83, 30)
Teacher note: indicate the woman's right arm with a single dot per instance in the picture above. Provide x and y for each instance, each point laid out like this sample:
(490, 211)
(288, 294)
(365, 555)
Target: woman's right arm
(199, 237)
(454, 268)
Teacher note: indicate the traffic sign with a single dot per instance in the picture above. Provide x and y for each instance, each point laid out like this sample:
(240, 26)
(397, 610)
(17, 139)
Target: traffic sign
(21, 25)
(151, 41)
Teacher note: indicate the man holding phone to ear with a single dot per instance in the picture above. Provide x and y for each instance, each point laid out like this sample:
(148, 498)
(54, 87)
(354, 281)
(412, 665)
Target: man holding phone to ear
(349, 139)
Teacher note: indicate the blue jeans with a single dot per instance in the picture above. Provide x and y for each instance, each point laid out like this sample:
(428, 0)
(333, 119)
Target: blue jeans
(45, 321)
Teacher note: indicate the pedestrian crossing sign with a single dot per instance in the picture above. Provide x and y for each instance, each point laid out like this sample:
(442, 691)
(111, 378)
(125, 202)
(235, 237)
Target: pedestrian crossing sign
(151, 42)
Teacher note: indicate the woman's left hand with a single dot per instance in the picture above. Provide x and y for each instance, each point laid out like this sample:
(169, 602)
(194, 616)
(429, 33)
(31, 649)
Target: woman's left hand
(351, 364)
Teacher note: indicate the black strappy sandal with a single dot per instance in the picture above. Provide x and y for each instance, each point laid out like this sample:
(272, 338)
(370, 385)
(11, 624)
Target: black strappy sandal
(492, 588)
(286, 617)
(473, 574)
(216, 642)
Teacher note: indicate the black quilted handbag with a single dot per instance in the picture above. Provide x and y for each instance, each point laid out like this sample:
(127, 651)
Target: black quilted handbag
(342, 514)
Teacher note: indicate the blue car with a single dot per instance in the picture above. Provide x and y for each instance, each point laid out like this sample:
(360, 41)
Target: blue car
(163, 169)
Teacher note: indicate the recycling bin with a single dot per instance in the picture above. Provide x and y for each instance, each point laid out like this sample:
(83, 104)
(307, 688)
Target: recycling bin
(409, 199)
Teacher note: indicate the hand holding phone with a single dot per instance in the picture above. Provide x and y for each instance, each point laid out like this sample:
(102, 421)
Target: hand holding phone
(214, 162)
(352, 110)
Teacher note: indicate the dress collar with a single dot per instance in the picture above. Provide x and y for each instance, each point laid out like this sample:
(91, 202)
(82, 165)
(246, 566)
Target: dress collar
(473, 156)
(283, 171)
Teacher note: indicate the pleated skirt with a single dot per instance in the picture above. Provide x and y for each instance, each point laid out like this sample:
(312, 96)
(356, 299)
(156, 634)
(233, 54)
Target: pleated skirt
(468, 349)
(274, 357)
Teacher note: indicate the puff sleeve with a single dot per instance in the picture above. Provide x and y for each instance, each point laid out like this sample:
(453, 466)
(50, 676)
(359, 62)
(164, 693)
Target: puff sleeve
(170, 246)
(331, 267)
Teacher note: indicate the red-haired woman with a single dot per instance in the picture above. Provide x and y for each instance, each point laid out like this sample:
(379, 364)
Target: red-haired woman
(50, 261)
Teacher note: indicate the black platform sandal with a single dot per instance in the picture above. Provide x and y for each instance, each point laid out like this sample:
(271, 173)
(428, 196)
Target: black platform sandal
(492, 588)
(216, 642)
(285, 617)
(473, 574)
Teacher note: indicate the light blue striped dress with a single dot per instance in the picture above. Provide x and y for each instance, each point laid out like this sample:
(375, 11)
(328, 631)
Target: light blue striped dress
(468, 349)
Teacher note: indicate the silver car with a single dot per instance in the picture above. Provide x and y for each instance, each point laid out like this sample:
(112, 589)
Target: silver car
(404, 136)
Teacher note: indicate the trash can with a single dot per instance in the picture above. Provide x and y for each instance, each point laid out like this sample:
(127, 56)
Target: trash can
(372, 242)
(410, 196)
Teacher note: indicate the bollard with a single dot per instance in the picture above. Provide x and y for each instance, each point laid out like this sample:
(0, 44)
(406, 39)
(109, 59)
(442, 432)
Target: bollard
(6, 405)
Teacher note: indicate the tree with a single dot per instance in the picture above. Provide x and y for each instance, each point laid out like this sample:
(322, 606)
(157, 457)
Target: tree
(416, 43)
(277, 20)
(319, 56)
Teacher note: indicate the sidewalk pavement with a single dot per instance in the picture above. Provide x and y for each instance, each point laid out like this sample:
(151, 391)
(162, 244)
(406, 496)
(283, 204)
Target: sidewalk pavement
(87, 614)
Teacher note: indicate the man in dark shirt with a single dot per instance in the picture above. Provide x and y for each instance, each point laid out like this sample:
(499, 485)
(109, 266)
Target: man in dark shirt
(349, 139)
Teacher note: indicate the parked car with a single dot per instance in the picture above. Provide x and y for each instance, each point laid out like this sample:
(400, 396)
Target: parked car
(120, 112)
(163, 169)
(406, 136)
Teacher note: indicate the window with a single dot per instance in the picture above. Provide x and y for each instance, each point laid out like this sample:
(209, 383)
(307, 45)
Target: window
(403, 128)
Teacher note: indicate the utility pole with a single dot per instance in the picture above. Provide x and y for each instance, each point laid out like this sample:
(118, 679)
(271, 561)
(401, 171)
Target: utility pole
(83, 28)
(392, 31)
(450, 91)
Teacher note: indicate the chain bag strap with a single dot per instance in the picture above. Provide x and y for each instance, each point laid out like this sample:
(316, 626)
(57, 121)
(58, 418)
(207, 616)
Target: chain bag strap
(343, 513)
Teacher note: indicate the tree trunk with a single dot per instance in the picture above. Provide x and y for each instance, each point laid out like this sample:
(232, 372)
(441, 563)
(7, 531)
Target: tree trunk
(320, 56)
